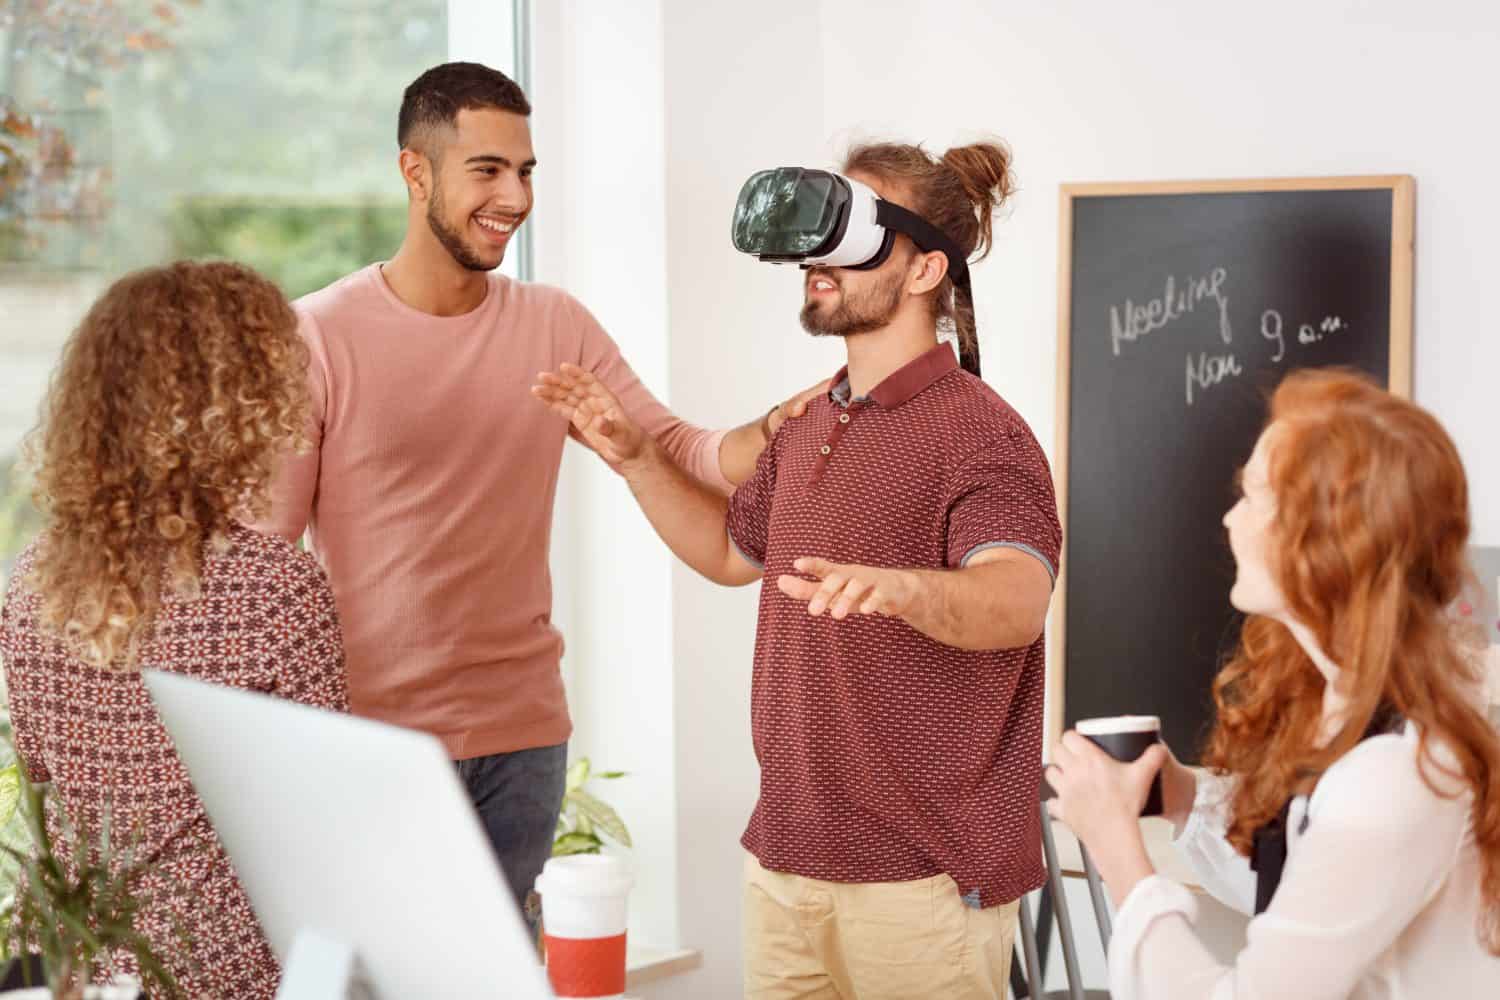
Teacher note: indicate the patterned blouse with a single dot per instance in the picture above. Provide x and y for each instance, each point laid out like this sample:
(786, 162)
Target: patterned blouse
(265, 621)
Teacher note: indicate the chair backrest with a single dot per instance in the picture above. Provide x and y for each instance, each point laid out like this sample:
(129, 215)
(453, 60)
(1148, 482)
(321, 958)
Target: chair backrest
(1055, 893)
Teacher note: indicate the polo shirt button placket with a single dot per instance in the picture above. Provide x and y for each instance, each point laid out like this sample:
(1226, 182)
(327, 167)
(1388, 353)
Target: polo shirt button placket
(827, 449)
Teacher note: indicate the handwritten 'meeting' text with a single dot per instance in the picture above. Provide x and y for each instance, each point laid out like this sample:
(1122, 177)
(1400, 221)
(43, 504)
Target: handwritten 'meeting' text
(1205, 370)
(1130, 322)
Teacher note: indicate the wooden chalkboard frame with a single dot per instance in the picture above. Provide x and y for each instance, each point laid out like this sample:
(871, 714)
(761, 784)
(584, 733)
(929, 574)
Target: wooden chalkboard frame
(1403, 227)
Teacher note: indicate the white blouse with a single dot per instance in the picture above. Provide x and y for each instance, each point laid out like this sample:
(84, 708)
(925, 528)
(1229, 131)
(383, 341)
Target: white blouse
(1379, 897)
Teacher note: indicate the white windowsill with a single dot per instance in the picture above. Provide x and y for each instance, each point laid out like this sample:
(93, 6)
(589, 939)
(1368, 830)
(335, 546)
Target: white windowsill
(644, 964)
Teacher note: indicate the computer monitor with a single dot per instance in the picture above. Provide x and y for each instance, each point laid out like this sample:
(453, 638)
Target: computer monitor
(358, 832)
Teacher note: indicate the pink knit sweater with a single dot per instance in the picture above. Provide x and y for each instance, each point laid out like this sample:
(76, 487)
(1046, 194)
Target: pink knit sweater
(428, 498)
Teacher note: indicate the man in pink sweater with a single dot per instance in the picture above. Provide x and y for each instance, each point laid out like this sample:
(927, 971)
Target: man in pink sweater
(428, 493)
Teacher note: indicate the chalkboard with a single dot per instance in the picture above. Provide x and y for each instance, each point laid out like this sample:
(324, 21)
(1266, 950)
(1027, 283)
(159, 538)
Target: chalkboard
(1180, 308)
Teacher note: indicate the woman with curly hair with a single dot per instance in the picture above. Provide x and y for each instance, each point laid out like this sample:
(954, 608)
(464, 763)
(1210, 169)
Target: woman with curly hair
(1352, 797)
(158, 438)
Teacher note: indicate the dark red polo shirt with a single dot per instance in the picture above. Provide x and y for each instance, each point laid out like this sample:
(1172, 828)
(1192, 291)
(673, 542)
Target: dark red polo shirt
(885, 755)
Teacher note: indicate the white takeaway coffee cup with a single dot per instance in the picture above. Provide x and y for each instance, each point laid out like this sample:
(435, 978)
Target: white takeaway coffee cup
(585, 900)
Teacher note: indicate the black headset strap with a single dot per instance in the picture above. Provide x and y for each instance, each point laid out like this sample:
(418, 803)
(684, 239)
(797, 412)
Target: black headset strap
(929, 238)
(925, 235)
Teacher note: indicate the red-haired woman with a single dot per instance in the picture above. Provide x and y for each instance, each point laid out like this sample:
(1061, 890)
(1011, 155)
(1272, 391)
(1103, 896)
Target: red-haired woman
(165, 417)
(1350, 758)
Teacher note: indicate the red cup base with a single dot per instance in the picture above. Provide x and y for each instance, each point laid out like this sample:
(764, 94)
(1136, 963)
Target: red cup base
(586, 967)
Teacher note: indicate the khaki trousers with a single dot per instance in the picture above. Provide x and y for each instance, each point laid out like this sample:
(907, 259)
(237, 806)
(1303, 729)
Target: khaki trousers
(813, 940)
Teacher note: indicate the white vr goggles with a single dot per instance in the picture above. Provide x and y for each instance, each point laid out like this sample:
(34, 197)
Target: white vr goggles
(816, 218)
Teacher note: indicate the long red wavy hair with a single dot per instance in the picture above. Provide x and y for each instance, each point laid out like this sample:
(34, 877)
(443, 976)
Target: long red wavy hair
(1368, 550)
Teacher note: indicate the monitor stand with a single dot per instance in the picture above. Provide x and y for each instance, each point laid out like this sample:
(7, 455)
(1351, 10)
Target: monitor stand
(321, 968)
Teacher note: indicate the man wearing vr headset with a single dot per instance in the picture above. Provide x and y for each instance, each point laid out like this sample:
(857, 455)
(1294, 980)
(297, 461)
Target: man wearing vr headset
(908, 535)
(429, 488)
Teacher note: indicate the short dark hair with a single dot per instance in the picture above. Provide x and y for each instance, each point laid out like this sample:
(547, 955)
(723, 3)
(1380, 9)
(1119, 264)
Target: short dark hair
(435, 98)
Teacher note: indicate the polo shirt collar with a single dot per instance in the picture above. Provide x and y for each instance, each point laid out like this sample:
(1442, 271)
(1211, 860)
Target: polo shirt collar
(903, 383)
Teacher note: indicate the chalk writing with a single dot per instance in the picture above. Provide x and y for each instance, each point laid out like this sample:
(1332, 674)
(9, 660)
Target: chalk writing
(1207, 371)
(1271, 326)
(1131, 321)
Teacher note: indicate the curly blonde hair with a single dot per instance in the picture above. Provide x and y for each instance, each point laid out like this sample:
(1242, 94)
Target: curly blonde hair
(173, 400)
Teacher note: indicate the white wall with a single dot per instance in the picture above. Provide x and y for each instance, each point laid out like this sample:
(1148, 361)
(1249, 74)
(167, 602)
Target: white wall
(737, 99)
(482, 31)
(600, 231)
(1099, 91)
(1082, 91)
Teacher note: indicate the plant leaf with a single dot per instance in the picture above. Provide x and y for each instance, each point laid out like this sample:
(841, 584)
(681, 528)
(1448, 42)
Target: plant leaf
(578, 773)
(576, 843)
(614, 774)
(75, 915)
(602, 815)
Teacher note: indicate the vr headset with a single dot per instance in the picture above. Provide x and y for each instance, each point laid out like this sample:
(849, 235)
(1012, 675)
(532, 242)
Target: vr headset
(815, 218)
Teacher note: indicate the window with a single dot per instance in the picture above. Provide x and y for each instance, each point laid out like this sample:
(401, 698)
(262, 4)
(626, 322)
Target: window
(141, 131)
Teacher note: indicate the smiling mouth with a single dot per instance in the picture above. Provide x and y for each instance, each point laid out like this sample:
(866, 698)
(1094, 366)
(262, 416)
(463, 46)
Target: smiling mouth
(499, 228)
(821, 286)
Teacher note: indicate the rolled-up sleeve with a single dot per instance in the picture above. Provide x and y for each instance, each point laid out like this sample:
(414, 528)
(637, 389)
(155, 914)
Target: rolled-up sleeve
(1002, 497)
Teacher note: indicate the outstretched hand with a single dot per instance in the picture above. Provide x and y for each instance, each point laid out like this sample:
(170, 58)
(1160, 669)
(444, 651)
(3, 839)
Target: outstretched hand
(594, 412)
(842, 589)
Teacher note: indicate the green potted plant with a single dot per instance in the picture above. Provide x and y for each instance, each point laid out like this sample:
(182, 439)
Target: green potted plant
(586, 821)
(75, 913)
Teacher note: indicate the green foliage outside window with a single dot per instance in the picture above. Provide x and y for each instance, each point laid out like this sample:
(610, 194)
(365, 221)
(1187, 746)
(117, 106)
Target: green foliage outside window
(300, 244)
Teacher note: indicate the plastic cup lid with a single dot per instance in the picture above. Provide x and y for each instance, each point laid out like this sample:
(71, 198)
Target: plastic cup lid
(1119, 724)
(586, 875)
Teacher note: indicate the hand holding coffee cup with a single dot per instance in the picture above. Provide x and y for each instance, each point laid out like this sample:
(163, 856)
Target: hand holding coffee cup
(1125, 738)
(1101, 797)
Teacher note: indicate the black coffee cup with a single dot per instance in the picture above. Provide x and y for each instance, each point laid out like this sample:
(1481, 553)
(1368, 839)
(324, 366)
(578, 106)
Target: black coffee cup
(1125, 738)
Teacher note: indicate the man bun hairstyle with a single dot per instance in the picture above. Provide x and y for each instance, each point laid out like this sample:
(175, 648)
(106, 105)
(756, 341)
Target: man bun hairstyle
(959, 193)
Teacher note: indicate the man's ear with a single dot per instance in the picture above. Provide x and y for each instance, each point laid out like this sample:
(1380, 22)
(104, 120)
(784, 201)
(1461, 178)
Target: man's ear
(416, 171)
(927, 272)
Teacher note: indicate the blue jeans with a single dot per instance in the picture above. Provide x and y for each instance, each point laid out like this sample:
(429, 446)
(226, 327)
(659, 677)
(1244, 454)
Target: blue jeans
(518, 796)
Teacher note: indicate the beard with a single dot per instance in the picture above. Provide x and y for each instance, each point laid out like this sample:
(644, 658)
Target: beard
(451, 238)
(854, 315)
